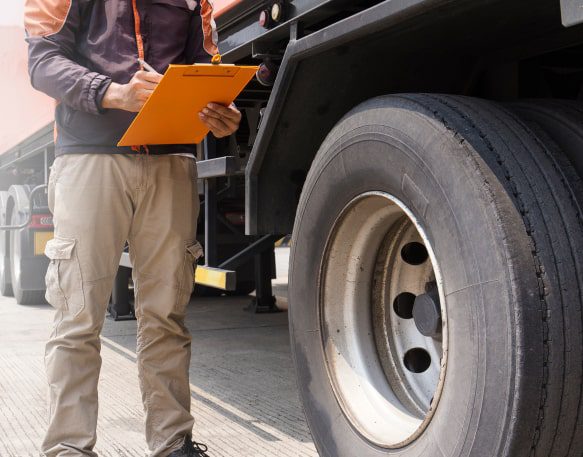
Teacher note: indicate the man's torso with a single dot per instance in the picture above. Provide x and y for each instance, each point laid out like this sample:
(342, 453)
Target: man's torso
(172, 32)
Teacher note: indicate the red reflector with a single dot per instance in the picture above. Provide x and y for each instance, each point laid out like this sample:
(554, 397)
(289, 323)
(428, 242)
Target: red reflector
(41, 221)
(264, 18)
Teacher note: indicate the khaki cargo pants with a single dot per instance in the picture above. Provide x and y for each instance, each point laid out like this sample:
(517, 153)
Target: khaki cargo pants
(99, 202)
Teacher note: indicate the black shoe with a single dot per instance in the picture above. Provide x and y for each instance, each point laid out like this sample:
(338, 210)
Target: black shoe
(191, 449)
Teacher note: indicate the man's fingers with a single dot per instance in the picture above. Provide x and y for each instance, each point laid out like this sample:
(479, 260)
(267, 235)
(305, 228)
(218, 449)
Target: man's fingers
(144, 93)
(230, 120)
(146, 85)
(218, 127)
(221, 120)
(153, 77)
(213, 114)
(148, 76)
(229, 112)
(232, 126)
(227, 125)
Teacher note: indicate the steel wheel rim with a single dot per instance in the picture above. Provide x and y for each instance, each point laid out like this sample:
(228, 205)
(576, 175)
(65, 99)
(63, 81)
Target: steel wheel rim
(368, 361)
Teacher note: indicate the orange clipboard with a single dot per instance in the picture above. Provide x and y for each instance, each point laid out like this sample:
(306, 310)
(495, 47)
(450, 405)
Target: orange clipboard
(170, 116)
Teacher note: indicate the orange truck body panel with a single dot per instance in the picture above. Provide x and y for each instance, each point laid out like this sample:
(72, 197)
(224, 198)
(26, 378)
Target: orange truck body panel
(23, 110)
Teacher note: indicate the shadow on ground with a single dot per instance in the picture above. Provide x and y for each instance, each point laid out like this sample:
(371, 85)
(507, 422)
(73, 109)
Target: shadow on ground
(241, 365)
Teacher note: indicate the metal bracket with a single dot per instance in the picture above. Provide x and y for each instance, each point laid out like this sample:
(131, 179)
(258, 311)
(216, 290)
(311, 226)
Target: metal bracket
(215, 168)
(296, 31)
(264, 51)
(571, 12)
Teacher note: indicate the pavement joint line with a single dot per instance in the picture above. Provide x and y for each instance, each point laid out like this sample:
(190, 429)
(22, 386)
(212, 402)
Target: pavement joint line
(218, 329)
(212, 401)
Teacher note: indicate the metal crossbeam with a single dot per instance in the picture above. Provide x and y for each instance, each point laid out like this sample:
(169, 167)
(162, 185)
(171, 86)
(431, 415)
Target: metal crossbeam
(215, 168)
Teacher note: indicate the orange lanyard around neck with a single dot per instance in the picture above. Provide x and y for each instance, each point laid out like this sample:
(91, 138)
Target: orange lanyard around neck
(138, 31)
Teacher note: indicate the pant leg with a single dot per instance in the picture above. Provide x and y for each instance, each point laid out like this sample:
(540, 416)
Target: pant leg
(90, 199)
(163, 250)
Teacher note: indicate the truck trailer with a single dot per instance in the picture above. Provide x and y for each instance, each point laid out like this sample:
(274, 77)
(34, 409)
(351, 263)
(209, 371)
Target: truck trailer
(427, 158)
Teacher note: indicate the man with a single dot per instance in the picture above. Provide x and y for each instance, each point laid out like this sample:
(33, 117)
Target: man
(84, 53)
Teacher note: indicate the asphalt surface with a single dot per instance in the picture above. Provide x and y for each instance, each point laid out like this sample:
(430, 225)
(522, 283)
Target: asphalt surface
(244, 396)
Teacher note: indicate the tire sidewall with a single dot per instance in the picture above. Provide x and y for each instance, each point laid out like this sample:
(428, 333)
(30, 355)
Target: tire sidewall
(5, 280)
(15, 237)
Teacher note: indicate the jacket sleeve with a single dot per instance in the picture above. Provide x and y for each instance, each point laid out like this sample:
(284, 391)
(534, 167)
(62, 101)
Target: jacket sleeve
(202, 42)
(51, 28)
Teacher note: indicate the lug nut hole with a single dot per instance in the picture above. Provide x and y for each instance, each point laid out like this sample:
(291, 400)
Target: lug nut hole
(414, 253)
(403, 305)
(417, 360)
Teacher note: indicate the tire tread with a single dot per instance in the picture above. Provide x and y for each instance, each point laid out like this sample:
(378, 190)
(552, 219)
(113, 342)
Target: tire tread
(526, 191)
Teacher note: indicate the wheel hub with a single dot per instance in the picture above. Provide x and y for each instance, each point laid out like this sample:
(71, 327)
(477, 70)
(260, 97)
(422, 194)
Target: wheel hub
(384, 327)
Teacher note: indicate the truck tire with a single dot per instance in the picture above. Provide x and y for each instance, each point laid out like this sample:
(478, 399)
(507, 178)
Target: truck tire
(23, 296)
(561, 120)
(5, 284)
(436, 283)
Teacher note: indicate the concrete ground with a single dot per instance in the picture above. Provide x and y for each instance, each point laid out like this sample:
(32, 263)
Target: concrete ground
(244, 396)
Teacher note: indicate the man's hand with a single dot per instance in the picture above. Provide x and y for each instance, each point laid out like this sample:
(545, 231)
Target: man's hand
(221, 120)
(133, 95)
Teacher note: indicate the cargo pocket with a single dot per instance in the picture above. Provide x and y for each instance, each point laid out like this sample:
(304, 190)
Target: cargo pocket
(63, 278)
(193, 253)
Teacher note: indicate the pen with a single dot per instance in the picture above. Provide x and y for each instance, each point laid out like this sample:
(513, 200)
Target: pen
(147, 66)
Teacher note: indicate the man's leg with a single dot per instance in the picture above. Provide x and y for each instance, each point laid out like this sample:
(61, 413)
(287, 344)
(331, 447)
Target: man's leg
(163, 250)
(90, 199)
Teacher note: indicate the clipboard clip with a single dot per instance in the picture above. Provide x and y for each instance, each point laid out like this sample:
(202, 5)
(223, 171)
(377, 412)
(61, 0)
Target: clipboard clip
(217, 59)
